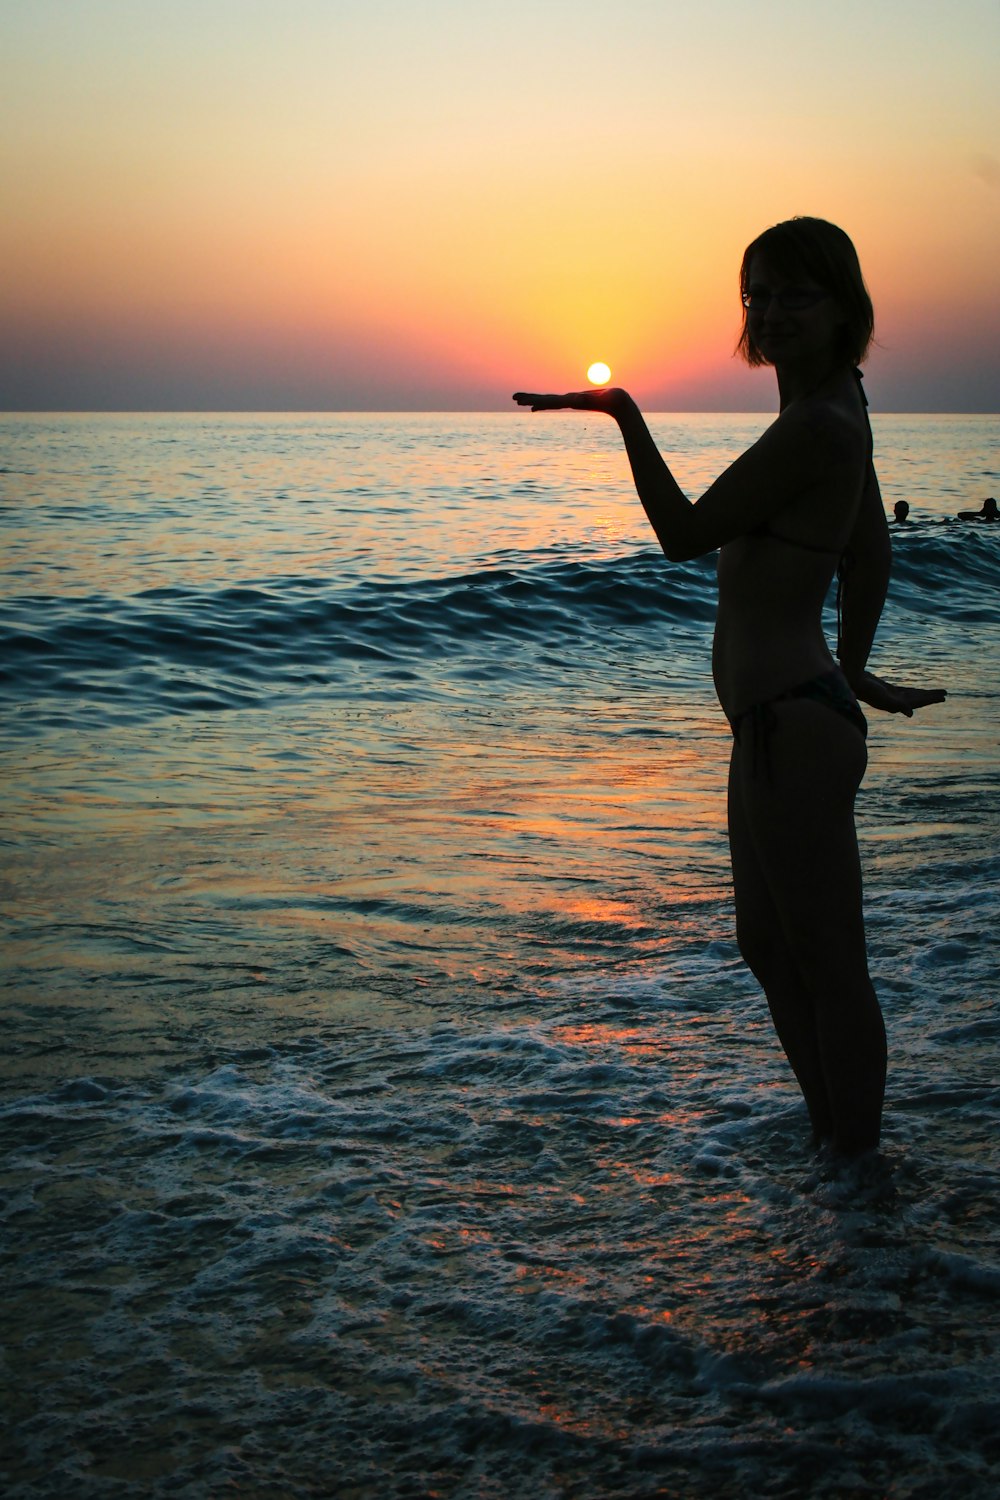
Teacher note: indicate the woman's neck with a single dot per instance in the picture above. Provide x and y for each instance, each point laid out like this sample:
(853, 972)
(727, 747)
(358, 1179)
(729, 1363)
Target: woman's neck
(805, 378)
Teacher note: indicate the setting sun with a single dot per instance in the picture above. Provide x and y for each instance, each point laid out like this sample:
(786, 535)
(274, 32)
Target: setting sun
(598, 374)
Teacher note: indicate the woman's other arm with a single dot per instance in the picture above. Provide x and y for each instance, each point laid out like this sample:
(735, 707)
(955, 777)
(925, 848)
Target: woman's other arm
(868, 559)
(866, 566)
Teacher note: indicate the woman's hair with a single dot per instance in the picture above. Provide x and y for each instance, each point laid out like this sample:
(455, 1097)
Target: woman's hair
(813, 250)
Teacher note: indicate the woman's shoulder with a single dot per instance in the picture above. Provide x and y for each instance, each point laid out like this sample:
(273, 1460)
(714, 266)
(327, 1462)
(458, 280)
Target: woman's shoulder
(832, 422)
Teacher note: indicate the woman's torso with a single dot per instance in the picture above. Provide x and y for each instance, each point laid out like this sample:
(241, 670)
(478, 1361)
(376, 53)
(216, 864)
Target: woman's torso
(773, 583)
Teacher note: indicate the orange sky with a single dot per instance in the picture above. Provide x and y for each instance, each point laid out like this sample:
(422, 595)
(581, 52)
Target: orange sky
(351, 204)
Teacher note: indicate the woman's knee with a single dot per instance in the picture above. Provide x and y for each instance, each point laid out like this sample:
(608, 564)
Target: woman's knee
(817, 962)
(831, 962)
(762, 949)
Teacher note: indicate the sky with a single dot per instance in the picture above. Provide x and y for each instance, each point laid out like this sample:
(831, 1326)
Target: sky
(426, 204)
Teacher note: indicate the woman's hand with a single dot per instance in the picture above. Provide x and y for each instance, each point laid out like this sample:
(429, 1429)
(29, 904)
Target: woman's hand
(892, 699)
(609, 399)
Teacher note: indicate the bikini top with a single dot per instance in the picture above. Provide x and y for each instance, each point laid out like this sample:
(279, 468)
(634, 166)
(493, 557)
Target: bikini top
(766, 529)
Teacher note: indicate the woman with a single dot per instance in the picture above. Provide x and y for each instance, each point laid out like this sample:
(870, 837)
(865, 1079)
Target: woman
(801, 501)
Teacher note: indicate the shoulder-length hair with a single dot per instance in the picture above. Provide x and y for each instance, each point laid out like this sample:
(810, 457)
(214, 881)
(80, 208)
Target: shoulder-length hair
(819, 252)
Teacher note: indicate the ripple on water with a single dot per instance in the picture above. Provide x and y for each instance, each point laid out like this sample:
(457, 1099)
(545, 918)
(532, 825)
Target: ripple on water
(556, 1252)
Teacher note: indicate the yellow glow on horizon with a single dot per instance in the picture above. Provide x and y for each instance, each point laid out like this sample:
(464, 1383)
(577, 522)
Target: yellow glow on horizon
(599, 373)
(291, 197)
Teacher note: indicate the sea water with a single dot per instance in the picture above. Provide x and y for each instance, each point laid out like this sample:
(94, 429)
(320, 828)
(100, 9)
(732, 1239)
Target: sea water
(385, 1109)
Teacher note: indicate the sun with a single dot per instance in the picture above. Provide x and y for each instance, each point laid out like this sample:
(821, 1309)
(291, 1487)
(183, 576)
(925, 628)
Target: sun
(599, 374)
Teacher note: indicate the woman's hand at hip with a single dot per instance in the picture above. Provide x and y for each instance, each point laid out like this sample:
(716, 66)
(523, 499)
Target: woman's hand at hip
(891, 698)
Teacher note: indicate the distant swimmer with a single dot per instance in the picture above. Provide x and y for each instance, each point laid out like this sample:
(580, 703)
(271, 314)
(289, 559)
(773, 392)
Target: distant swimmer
(901, 510)
(989, 512)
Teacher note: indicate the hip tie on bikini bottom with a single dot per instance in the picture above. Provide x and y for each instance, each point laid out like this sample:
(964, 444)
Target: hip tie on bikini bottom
(830, 690)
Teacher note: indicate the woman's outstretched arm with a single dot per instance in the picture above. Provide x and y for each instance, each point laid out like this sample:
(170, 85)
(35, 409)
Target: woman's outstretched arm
(803, 446)
(668, 509)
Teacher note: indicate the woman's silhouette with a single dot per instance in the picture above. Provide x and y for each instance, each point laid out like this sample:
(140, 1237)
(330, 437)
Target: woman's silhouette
(802, 503)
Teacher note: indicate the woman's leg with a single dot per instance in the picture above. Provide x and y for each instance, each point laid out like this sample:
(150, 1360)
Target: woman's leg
(799, 913)
(767, 953)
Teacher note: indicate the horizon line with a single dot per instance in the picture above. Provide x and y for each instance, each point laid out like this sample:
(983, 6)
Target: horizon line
(425, 411)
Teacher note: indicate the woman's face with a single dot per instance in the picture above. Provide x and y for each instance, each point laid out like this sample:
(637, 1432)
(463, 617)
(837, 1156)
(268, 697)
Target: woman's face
(790, 319)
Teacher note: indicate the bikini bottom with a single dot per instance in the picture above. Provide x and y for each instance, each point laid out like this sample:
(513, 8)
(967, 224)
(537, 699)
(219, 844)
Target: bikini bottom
(830, 689)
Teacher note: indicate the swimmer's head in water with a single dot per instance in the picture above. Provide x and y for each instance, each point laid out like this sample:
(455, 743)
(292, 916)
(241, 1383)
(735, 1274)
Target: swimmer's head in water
(990, 509)
(815, 253)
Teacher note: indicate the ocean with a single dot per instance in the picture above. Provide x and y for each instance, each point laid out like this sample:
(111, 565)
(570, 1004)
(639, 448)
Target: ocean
(385, 1110)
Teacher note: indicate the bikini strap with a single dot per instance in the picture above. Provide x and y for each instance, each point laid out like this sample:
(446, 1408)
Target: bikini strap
(844, 564)
(864, 403)
(845, 561)
(859, 377)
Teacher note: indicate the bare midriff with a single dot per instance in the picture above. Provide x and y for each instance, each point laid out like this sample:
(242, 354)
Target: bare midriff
(769, 631)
